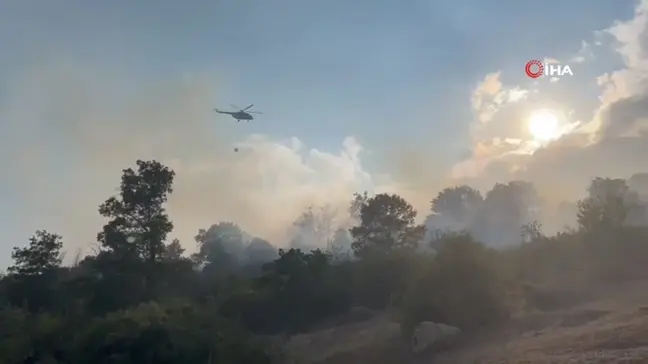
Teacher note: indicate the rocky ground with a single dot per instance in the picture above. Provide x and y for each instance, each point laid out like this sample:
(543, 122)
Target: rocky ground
(611, 328)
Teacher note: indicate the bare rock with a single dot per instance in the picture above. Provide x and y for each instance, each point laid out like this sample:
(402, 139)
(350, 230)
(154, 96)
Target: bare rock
(430, 335)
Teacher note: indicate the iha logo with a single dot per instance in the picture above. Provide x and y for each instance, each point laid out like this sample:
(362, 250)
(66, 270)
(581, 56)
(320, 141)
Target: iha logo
(535, 69)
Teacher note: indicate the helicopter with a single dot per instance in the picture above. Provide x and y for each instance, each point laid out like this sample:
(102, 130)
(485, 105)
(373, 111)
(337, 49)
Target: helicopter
(241, 114)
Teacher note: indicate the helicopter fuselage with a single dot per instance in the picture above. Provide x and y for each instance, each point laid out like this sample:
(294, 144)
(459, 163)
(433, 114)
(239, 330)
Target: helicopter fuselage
(238, 115)
(242, 115)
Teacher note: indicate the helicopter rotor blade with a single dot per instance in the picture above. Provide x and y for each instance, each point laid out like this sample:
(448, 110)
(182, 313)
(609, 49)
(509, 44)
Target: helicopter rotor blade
(234, 106)
(248, 107)
(254, 112)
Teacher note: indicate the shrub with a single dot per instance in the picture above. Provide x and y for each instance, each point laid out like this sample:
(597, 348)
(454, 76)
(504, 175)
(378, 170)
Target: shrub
(151, 333)
(461, 286)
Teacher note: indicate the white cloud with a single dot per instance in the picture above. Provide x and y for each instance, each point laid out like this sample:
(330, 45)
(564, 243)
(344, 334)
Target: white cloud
(611, 144)
(490, 95)
(517, 94)
(490, 99)
(489, 88)
(584, 53)
(621, 108)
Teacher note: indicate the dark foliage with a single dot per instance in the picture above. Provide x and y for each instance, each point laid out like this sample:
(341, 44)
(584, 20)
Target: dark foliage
(139, 300)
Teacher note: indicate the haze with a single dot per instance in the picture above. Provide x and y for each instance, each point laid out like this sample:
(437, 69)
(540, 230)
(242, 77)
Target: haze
(396, 97)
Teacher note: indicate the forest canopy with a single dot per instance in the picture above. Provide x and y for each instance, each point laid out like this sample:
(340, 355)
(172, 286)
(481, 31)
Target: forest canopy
(477, 260)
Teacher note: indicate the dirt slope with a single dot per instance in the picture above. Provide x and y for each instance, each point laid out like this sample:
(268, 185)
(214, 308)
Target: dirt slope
(610, 328)
(613, 328)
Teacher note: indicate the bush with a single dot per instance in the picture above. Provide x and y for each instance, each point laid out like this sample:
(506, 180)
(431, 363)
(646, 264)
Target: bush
(149, 333)
(25, 336)
(152, 333)
(460, 286)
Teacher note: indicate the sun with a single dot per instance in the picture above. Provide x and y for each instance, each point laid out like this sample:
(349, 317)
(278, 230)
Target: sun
(543, 125)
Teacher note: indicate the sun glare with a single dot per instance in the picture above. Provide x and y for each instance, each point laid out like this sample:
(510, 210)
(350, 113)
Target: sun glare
(543, 125)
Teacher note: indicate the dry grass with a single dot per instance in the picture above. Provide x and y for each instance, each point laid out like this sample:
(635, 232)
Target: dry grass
(611, 328)
(333, 344)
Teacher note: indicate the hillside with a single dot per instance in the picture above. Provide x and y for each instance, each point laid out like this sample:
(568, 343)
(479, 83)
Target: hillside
(139, 299)
(610, 327)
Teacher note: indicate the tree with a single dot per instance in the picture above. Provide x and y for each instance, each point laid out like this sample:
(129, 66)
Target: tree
(301, 288)
(221, 246)
(314, 229)
(138, 222)
(460, 203)
(506, 208)
(260, 251)
(341, 244)
(173, 251)
(606, 206)
(34, 282)
(42, 254)
(531, 232)
(355, 208)
(387, 223)
(467, 291)
(454, 209)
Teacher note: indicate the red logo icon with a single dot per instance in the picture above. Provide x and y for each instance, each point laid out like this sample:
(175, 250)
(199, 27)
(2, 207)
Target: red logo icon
(530, 66)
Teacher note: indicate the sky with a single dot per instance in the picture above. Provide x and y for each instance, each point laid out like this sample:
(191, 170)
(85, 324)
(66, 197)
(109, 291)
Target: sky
(400, 96)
